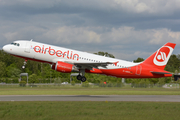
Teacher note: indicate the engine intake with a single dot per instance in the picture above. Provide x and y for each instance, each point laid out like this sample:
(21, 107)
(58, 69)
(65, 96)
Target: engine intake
(64, 67)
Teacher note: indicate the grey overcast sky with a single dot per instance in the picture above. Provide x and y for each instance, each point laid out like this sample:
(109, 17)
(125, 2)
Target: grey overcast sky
(128, 29)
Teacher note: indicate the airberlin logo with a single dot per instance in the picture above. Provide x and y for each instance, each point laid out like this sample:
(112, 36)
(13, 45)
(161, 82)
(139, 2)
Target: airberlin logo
(67, 54)
(162, 56)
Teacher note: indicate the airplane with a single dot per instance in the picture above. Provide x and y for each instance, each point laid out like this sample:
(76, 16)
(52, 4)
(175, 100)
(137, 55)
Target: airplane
(67, 60)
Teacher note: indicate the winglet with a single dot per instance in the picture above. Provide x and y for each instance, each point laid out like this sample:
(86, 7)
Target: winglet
(115, 63)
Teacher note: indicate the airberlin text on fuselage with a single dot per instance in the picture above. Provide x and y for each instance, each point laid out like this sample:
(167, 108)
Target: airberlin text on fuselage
(58, 53)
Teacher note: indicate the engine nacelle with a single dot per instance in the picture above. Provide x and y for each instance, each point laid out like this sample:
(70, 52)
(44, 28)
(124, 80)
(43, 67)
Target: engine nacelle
(64, 67)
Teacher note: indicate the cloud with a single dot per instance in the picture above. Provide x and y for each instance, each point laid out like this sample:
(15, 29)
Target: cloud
(165, 35)
(109, 13)
(128, 35)
(124, 40)
(153, 7)
(125, 28)
(163, 7)
(69, 35)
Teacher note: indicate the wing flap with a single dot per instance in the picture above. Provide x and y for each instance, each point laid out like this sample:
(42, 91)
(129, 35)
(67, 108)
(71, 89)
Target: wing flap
(87, 65)
(92, 65)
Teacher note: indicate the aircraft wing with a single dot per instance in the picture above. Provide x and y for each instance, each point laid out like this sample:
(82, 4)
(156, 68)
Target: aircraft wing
(91, 65)
(87, 65)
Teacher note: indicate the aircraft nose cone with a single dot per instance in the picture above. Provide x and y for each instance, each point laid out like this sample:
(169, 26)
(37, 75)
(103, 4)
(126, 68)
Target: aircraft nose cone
(5, 48)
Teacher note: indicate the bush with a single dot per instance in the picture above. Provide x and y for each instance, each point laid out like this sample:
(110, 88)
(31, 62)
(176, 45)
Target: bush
(141, 84)
(85, 84)
(144, 83)
(102, 84)
(73, 83)
(134, 83)
(33, 79)
(161, 82)
(119, 84)
(57, 81)
(15, 80)
(22, 83)
(110, 84)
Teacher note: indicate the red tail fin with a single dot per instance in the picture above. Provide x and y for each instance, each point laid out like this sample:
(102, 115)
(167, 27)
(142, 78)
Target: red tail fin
(160, 58)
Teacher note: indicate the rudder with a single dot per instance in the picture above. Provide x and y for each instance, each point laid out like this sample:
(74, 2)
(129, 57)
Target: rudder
(160, 58)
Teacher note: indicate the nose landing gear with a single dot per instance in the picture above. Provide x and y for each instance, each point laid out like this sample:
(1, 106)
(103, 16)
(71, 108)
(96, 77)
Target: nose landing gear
(25, 62)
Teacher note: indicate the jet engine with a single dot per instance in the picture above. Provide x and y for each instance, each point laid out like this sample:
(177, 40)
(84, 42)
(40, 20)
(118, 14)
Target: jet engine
(64, 67)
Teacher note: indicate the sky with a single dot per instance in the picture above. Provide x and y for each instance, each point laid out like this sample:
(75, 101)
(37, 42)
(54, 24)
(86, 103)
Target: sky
(128, 29)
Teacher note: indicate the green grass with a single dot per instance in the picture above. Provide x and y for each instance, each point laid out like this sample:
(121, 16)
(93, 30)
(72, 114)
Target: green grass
(77, 90)
(89, 110)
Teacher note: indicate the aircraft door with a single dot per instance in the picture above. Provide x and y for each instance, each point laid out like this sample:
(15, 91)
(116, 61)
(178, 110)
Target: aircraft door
(138, 70)
(27, 47)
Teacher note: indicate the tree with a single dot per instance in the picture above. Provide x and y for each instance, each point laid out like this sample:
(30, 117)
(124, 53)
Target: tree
(2, 69)
(12, 71)
(138, 60)
(33, 78)
(173, 63)
(9, 59)
(105, 54)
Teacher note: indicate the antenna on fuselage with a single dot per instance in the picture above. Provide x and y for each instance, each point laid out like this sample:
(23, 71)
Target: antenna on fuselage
(31, 39)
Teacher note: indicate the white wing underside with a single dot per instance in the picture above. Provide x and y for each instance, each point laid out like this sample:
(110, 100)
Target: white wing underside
(92, 65)
(87, 65)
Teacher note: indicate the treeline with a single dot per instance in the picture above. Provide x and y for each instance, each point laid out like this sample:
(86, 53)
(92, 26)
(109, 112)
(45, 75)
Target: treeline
(11, 67)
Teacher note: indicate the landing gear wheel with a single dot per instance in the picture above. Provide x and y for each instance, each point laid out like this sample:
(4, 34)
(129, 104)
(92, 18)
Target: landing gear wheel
(79, 77)
(23, 66)
(83, 79)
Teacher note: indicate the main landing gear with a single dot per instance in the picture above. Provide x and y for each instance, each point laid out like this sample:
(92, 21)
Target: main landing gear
(81, 77)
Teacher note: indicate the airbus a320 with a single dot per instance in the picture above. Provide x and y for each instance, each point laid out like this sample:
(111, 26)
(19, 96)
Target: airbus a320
(68, 60)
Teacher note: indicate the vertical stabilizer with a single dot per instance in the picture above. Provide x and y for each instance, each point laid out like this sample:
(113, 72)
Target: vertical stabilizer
(160, 58)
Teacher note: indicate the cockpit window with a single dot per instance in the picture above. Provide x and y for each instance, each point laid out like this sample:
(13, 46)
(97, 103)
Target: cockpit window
(16, 44)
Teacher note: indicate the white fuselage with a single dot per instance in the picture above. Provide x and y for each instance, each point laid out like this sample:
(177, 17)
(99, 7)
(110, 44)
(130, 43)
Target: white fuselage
(51, 54)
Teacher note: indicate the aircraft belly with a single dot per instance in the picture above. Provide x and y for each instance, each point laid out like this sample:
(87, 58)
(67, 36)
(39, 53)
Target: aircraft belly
(118, 72)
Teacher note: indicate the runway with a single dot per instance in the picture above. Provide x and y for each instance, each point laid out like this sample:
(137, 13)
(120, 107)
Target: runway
(150, 98)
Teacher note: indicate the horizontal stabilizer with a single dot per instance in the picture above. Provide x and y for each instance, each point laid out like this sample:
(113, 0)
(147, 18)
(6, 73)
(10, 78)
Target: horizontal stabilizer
(160, 73)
